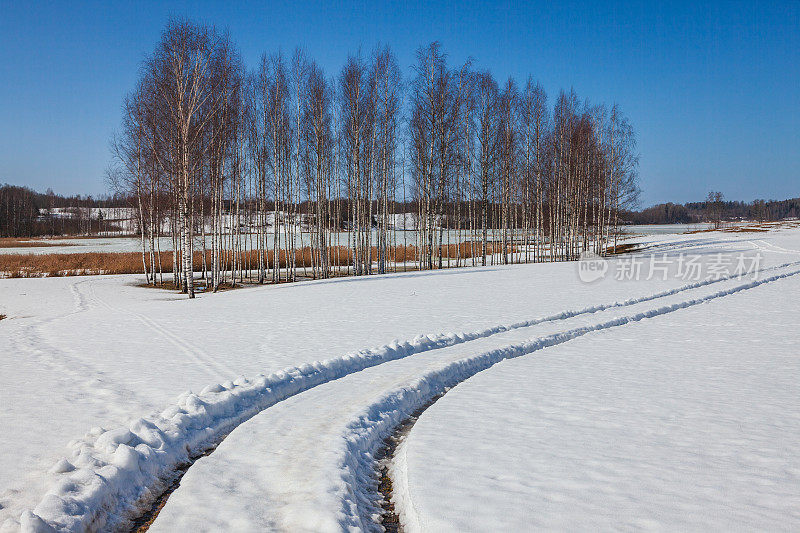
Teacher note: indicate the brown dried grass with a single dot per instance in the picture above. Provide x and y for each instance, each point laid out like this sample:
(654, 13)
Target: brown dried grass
(13, 242)
(740, 229)
(750, 227)
(34, 265)
(103, 235)
(89, 263)
(623, 248)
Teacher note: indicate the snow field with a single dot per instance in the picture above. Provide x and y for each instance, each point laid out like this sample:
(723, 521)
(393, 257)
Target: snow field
(342, 479)
(110, 353)
(87, 345)
(688, 422)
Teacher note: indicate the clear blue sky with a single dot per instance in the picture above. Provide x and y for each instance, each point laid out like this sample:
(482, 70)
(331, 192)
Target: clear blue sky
(712, 89)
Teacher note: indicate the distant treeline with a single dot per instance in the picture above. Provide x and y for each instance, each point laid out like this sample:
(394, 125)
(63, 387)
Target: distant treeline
(27, 213)
(695, 212)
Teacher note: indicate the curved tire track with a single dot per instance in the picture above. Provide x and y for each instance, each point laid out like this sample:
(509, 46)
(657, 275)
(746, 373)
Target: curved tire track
(80, 376)
(195, 354)
(347, 421)
(201, 421)
(368, 432)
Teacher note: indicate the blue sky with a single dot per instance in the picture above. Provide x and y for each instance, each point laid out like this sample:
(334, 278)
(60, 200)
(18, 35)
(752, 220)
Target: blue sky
(712, 89)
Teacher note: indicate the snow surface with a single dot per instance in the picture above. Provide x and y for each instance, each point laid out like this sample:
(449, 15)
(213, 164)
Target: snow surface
(97, 364)
(124, 217)
(663, 229)
(127, 244)
(688, 422)
(315, 490)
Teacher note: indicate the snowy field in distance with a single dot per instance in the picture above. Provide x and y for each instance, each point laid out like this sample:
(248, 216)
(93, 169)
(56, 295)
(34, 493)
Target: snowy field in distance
(663, 229)
(78, 245)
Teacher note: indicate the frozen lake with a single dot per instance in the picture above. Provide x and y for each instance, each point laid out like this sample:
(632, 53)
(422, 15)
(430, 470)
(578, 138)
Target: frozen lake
(663, 229)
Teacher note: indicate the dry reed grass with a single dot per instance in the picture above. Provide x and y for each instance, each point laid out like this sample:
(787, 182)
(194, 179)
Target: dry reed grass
(741, 229)
(34, 265)
(623, 248)
(88, 263)
(13, 242)
(750, 227)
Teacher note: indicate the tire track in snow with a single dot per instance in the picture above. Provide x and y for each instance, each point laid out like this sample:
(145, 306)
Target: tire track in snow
(79, 382)
(774, 248)
(677, 247)
(73, 371)
(138, 461)
(81, 379)
(302, 443)
(196, 354)
(79, 301)
(312, 417)
(368, 433)
(211, 365)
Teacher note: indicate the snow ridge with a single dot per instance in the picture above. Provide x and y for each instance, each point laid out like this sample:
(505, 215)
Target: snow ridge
(366, 433)
(114, 473)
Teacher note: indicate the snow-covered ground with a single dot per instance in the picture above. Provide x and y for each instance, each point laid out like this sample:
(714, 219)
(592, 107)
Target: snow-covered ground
(663, 229)
(124, 218)
(687, 422)
(94, 373)
(134, 244)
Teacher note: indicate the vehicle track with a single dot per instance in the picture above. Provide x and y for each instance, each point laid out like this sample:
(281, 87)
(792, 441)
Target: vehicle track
(194, 353)
(408, 388)
(256, 396)
(83, 379)
(434, 385)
